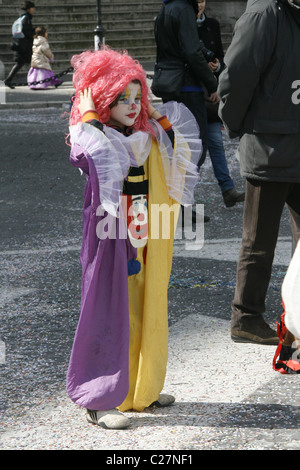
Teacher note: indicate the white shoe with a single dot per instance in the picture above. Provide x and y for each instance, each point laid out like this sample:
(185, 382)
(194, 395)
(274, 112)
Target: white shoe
(163, 400)
(109, 419)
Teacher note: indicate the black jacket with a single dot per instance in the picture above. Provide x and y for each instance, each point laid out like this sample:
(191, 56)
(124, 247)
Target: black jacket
(177, 39)
(209, 32)
(260, 90)
(24, 45)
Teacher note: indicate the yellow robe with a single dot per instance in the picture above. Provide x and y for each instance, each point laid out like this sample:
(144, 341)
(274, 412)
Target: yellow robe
(148, 300)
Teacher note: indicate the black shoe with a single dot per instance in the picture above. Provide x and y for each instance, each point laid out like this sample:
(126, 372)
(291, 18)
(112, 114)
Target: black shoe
(231, 197)
(9, 84)
(194, 217)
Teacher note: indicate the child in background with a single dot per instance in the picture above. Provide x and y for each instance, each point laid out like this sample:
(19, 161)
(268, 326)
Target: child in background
(40, 62)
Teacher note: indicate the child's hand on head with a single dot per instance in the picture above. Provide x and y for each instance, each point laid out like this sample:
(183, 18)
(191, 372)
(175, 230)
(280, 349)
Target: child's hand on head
(86, 101)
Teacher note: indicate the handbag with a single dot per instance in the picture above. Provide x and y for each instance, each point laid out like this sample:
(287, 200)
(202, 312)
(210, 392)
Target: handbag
(168, 78)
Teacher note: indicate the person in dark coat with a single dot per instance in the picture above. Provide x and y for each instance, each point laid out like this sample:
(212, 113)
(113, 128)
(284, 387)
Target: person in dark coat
(260, 103)
(176, 38)
(22, 46)
(210, 37)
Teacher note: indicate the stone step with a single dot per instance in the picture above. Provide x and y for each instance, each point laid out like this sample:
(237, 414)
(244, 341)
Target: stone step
(74, 17)
(67, 48)
(56, 3)
(76, 47)
(80, 6)
(43, 3)
(85, 40)
(109, 24)
(106, 7)
(69, 36)
(141, 53)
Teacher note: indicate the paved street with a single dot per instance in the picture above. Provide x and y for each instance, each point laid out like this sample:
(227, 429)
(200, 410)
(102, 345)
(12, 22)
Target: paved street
(227, 395)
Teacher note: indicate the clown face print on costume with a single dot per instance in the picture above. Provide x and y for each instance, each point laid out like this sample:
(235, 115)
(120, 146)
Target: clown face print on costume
(128, 107)
(138, 217)
(135, 200)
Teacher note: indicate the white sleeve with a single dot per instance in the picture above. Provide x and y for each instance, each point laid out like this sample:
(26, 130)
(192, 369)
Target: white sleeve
(180, 163)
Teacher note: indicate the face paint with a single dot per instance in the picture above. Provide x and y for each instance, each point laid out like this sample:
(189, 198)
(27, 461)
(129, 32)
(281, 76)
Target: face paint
(125, 112)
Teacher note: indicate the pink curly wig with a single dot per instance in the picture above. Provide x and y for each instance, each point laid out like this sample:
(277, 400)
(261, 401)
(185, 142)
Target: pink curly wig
(107, 73)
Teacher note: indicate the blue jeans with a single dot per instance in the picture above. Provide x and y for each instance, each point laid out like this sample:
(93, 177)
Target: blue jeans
(217, 155)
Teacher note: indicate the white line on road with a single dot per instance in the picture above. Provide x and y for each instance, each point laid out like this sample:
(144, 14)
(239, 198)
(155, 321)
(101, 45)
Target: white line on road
(224, 249)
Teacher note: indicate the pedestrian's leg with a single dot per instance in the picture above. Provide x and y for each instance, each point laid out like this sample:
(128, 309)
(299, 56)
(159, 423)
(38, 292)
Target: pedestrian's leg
(195, 103)
(12, 74)
(263, 207)
(218, 157)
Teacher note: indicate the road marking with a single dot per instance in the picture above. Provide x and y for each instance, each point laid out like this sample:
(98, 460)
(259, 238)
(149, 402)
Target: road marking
(227, 249)
(224, 249)
(39, 251)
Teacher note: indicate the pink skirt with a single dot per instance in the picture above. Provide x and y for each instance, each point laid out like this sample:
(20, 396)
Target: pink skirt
(36, 75)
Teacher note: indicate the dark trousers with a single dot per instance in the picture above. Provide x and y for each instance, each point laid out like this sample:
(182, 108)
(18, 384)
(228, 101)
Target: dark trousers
(194, 101)
(14, 71)
(263, 206)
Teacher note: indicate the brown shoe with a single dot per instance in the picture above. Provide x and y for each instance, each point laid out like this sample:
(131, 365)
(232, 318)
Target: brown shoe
(258, 333)
(231, 197)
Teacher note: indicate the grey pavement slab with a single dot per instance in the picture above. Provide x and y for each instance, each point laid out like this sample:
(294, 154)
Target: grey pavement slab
(24, 98)
(227, 398)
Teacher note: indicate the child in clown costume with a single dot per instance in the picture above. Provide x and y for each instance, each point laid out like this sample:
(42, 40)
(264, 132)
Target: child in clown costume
(134, 158)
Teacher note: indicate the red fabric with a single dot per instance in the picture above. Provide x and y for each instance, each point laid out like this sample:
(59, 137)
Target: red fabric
(290, 364)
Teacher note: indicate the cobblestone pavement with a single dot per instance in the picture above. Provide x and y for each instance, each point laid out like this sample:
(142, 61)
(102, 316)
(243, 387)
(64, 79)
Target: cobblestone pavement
(227, 395)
